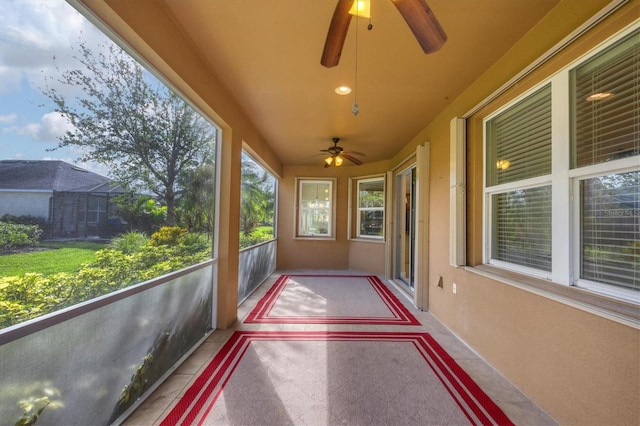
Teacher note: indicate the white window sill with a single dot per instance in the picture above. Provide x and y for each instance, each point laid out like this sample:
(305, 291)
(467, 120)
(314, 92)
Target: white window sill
(315, 237)
(368, 240)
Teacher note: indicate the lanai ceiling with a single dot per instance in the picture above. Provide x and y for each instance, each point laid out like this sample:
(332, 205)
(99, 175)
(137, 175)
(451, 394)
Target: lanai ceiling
(268, 54)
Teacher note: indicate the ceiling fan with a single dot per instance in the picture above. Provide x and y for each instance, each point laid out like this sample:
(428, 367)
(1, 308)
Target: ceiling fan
(419, 17)
(337, 155)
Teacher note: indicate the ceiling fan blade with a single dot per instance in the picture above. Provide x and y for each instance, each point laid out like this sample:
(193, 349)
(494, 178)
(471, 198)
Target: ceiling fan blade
(337, 34)
(423, 24)
(354, 160)
(354, 153)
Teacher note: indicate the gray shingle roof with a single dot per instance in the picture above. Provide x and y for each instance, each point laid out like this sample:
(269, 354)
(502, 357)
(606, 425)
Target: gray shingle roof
(51, 175)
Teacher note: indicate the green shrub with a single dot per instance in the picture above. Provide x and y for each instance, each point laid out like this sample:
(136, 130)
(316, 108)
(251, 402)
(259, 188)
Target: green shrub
(168, 236)
(256, 236)
(130, 242)
(14, 236)
(195, 242)
(27, 219)
(141, 212)
(32, 295)
(26, 297)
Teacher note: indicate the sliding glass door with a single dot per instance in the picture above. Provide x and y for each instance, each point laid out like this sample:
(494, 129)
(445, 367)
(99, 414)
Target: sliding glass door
(406, 227)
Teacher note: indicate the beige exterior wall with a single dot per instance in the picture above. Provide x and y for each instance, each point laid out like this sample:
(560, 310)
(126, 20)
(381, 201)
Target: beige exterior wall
(367, 257)
(317, 253)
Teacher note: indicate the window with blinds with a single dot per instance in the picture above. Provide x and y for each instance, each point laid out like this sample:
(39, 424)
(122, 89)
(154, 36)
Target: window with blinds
(610, 229)
(519, 148)
(522, 227)
(593, 188)
(605, 114)
(519, 140)
(606, 105)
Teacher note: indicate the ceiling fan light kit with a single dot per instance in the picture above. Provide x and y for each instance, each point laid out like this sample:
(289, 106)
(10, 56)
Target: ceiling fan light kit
(421, 21)
(337, 155)
(361, 8)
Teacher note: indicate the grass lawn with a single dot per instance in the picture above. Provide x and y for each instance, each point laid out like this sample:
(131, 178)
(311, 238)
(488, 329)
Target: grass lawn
(264, 229)
(59, 257)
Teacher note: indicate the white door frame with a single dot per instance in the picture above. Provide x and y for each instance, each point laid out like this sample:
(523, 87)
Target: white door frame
(421, 247)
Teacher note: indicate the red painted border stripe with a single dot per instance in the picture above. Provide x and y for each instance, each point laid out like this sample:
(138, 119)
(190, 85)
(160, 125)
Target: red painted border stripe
(400, 314)
(201, 396)
(453, 370)
(268, 299)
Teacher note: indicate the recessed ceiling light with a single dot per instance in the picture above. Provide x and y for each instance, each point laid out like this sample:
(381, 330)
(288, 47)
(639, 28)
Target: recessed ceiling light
(343, 90)
(599, 96)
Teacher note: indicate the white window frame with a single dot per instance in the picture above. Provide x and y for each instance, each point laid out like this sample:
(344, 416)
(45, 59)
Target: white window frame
(565, 183)
(355, 199)
(529, 183)
(299, 209)
(578, 175)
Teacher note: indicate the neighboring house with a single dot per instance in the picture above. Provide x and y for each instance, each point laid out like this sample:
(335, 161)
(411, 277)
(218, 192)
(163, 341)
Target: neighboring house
(73, 201)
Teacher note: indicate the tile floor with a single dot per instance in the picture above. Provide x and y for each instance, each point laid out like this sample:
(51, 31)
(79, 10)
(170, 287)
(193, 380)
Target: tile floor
(513, 403)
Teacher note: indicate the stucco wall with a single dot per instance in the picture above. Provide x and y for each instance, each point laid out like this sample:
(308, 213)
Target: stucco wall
(367, 257)
(339, 253)
(25, 203)
(580, 367)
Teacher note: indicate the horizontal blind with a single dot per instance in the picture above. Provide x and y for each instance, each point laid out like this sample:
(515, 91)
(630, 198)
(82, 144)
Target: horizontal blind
(610, 229)
(522, 227)
(608, 127)
(519, 140)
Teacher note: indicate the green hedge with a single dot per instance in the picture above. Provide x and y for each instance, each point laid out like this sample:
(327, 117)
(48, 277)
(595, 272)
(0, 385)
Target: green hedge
(32, 295)
(256, 236)
(14, 236)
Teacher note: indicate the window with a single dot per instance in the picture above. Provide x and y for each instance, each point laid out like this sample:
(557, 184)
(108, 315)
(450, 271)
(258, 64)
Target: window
(521, 222)
(605, 105)
(316, 208)
(518, 173)
(605, 147)
(96, 208)
(369, 211)
(609, 231)
(562, 187)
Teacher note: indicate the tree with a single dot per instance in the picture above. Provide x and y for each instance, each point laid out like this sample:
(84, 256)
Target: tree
(256, 196)
(197, 205)
(146, 134)
(141, 212)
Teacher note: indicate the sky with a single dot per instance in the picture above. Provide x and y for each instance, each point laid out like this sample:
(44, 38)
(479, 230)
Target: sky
(32, 34)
